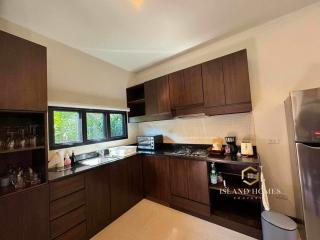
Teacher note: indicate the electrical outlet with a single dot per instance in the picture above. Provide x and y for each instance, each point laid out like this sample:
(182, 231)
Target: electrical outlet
(273, 141)
(282, 196)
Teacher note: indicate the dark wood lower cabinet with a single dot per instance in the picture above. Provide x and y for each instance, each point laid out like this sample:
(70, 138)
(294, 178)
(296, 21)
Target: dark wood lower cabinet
(198, 181)
(78, 207)
(156, 178)
(178, 177)
(118, 188)
(63, 224)
(61, 188)
(189, 179)
(25, 215)
(135, 191)
(68, 211)
(189, 185)
(78, 232)
(98, 199)
(199, 209)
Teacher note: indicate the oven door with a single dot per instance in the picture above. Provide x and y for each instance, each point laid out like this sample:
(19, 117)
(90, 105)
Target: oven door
(145, 143)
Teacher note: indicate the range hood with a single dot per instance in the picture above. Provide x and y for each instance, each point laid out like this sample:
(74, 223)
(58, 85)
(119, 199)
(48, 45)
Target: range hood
(192, 115)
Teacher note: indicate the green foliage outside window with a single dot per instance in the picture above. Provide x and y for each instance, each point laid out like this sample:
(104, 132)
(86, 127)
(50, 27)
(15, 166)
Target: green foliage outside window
(116, 125)
(95, 126)
(67, 127)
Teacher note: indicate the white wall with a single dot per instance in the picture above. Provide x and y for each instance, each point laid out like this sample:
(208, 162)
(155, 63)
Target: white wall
(283, 55)
(75, 78)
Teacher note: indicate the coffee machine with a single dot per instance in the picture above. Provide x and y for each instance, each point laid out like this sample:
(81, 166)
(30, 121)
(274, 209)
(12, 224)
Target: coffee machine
(232, 145)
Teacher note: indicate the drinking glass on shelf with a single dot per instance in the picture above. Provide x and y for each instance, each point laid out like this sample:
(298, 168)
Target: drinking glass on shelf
(20, 182)
(22, 140)
(10, 140)
(2, 139)
(33, 135)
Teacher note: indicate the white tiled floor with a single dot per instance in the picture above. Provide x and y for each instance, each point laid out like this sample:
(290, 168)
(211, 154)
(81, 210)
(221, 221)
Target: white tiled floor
(151, 221)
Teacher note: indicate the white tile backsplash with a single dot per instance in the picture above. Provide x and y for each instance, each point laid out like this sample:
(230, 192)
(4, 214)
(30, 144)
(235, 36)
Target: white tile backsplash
(202, 130)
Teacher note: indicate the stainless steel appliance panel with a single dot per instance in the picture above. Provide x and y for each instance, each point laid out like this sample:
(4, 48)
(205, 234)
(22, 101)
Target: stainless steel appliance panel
(309, 174)
(306, 115)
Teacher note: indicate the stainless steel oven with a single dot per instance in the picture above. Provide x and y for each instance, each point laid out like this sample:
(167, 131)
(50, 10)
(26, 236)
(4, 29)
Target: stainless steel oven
(149, 142)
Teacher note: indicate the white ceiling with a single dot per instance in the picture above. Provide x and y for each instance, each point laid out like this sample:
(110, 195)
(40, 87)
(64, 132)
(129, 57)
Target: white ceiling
(134, 37)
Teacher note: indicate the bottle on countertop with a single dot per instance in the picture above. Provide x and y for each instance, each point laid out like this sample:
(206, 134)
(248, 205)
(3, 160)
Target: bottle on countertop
(67, 160)
(213, 174)
(72, 158)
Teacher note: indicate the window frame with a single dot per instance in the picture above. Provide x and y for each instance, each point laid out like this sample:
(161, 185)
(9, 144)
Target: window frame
(89, 141)
(83, 118)
(125, 129)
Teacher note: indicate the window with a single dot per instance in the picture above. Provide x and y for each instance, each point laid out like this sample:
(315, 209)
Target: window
(74, 127)
(96, 126)
(67, 127)
(117, 125)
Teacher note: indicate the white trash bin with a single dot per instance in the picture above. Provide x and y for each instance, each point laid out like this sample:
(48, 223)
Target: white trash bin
(276, 226)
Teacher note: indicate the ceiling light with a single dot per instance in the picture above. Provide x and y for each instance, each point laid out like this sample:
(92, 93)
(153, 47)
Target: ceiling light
(137, 3)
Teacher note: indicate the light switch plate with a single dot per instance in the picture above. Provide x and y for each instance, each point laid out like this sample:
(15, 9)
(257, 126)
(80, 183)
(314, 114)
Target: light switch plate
(273, 141)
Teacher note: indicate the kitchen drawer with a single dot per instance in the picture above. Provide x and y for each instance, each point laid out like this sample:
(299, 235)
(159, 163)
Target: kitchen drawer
(66, 204)
(78, 232)
(190, 206)
(66, 222)
(66, 186)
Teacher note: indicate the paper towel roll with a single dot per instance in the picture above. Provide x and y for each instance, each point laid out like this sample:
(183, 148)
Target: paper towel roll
(265, 200)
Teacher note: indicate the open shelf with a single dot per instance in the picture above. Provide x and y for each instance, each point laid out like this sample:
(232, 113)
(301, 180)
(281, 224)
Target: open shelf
(29, 127)
(239, 211)
(5, 191)
(235, 190)
(136, 101)
(22, 149)
(238, 205)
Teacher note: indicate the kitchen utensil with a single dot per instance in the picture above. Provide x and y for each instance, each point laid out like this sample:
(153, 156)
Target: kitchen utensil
(231, 141)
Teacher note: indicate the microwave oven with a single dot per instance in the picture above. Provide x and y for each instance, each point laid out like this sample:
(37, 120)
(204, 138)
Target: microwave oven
(149, 142)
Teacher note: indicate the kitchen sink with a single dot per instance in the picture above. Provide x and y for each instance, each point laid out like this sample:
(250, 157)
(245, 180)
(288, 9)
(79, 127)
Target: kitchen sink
(98, 161)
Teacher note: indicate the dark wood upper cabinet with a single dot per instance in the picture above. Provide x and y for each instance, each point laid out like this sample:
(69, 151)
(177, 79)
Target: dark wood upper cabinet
(198, 181)
(23, 74)
(193, 87)
(178, 177)
(25, 215)
(156, 178)
(236, 78)
(219, 86)
(98, 199)
(213, 84)
(157, 97)
(226, 84)
(176, 86)
(186, 87)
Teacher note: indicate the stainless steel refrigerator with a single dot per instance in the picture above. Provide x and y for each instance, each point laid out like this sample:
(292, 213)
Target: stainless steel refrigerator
(303, 121)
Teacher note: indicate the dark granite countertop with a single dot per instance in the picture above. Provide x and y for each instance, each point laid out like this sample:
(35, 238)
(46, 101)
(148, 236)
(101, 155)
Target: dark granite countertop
(78, 168)
(227, 159)
(218, 158)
